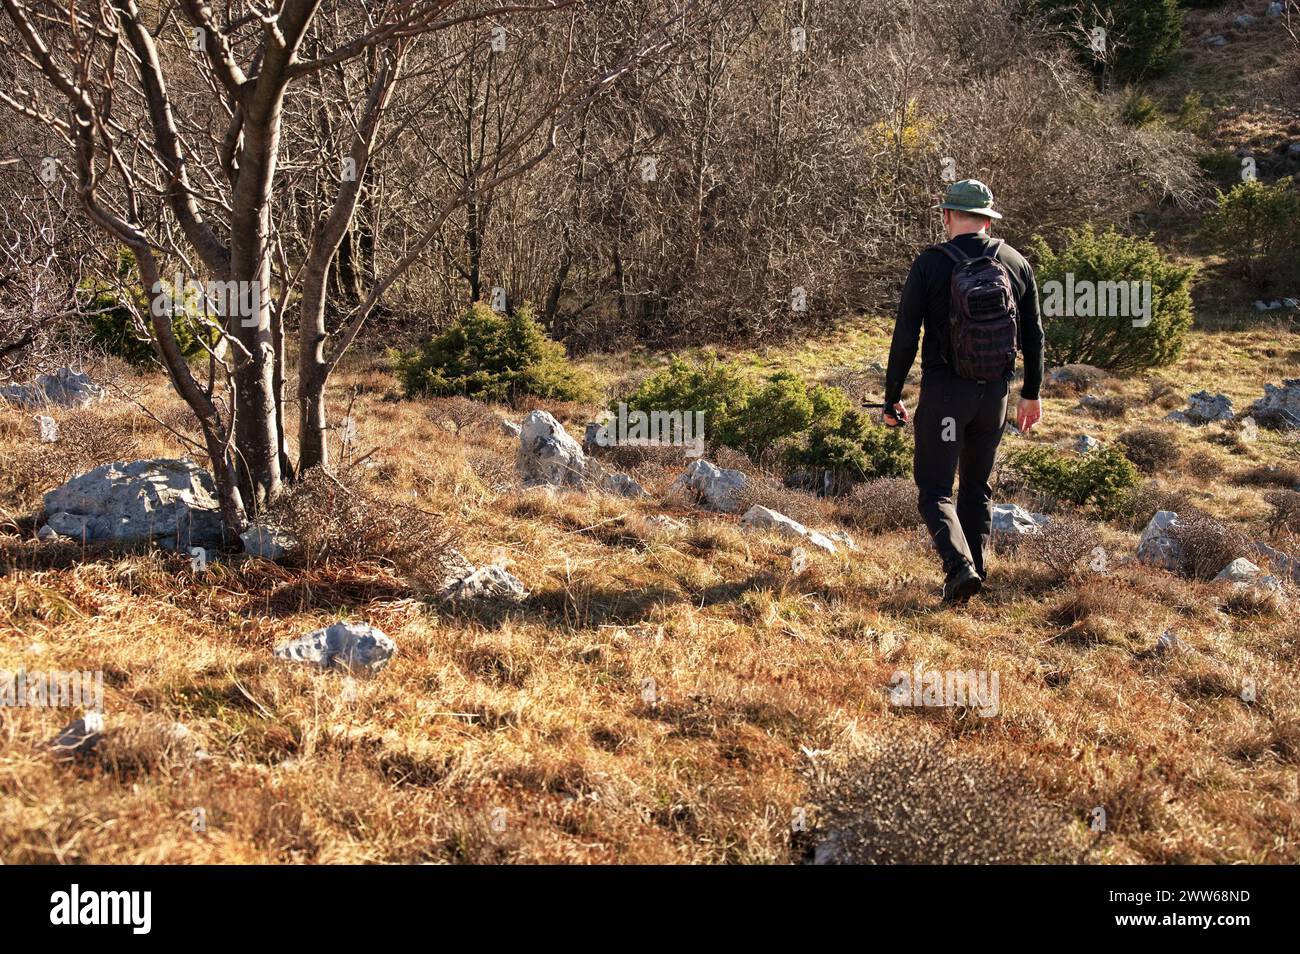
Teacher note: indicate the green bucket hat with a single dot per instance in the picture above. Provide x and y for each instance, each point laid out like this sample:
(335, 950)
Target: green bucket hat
(969, 195)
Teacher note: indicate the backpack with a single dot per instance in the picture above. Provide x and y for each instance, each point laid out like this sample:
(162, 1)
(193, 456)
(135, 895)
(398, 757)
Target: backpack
(983, 324)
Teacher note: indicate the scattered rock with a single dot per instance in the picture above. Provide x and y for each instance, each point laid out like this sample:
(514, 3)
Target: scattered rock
(1217, 40)
(841, 537)
(489, 582)
(47, 533)
(621, 485)
(1157, 547)
(509, 428)
(1086, 443)
(457, 566)
(170, 501)
(1243, 21)
(1010, 522)
(1243, 574)
(717, 487)
(1279, 561)
(349, 645)
(184, 743)
(267, 542)
(761, 518)
(63, 388)
(1248, 430)
(1276, 9)
(1293, 150)
(666, 524)
(1167, 642)
(79, 736)
(1279, 408)
(1239, 570)
(1079, 377)
(548, 455)
(47, 429)
(1205, 408)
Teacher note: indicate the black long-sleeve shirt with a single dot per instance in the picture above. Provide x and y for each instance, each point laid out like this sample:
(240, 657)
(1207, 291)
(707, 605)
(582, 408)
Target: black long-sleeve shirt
(924, 303)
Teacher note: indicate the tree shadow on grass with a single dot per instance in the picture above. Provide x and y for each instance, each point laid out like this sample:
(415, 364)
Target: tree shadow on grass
(585, 608)
(558, 608)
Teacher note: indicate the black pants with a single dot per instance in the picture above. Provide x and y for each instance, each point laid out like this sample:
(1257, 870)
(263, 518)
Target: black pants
(958, 425)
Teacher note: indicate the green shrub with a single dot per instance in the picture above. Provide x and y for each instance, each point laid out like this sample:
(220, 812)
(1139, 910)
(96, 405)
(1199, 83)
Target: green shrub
(1142, 35)
(712, 386)
(803, 425)
(1098, 262)
(1254, 225)
(854, 448)
(1193, 115)
(1101, 478)
(493, 357)
(113, 326)
(1139, 109)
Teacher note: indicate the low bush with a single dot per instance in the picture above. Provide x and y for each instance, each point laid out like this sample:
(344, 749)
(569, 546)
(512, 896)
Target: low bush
(892, 805)
(880, 505)
(1208, 544)
(1100, 271)
(1254, 226)
(1139, 504)
(1284, 517)
(1075, 377)
(1269, 475)
(1150, 450)
(492, 357)
(109, 311)
(1203, 465)
(334, 519)
(1100, 478)
(782, 421)
(1061, 544)
(1139, 109)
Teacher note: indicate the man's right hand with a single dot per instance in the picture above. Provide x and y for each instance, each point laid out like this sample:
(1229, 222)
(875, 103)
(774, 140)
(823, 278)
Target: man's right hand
(895, 416)
(1028, 413)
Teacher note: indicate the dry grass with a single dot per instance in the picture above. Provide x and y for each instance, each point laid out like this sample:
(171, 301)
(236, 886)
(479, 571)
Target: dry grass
(531, 734)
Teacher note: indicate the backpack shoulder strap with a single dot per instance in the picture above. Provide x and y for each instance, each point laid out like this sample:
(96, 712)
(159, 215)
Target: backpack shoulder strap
(993, 252)
(949, 251)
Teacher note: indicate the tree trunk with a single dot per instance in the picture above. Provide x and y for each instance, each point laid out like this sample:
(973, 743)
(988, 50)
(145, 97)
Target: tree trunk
(256, 430)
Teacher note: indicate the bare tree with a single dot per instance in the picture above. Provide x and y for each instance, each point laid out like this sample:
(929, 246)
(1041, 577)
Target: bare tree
(39, 270)
(177, 132)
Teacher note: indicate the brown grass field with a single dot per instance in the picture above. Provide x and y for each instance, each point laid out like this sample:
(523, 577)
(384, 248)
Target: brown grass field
(524, 733)
(521, 733)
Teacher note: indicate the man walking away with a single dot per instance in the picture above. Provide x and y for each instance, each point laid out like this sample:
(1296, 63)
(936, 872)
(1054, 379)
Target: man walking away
(976, 298)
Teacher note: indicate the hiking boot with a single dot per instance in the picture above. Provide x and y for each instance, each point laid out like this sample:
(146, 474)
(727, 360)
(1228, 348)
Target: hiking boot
(961, 584)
